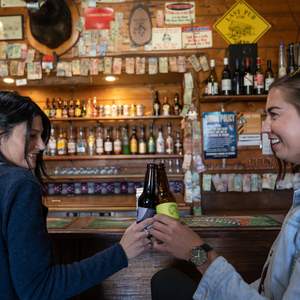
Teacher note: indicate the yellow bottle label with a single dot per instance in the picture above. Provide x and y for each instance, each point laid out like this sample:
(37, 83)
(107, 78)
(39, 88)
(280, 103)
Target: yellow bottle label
(133, 146)
(169, 209)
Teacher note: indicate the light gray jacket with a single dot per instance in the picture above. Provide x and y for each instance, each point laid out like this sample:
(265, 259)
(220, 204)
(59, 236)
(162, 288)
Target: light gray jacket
(222, 282)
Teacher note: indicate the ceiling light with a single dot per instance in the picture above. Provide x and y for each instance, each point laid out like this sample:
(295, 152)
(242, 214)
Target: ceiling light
(110, 78)
(8, 80)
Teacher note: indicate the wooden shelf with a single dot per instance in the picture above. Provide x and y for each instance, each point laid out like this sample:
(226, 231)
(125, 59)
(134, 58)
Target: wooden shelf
(84, 178)
(172, 117)
(112, 157)
(74, 82)
(97, 202)
(232, 98)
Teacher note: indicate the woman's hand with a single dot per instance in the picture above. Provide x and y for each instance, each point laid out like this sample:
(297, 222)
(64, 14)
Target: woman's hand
(173, 237)
(135, 239)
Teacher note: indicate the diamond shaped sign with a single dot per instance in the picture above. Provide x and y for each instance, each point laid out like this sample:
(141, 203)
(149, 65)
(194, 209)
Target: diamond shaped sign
(242, 24)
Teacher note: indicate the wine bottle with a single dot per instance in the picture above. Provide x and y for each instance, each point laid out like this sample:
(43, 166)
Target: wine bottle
(226, 79)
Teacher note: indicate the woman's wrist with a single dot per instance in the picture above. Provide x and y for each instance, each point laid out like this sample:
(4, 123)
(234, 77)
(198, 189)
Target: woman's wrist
(211, 256)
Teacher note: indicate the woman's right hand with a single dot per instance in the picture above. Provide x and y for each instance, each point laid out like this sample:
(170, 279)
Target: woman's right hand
(135, 239)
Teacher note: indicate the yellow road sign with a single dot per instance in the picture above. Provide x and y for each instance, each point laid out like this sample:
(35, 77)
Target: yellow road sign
(242, 24)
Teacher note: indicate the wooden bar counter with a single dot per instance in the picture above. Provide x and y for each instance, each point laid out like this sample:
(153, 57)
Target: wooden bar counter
(244, 241)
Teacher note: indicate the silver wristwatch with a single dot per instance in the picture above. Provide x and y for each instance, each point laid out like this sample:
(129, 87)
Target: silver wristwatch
(200, 254)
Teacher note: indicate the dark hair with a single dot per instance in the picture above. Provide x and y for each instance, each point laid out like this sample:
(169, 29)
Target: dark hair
(16, 109)
(290, 86)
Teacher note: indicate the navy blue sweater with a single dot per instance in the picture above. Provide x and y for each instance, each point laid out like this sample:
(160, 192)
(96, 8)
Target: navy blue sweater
(26, 259)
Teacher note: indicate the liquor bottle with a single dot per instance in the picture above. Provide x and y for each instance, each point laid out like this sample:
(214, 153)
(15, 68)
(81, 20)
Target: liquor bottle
(61, 143)
(77, 108)
(65, 109)
(71, 109)
(94, 108)
(89, 108)
(59, 108)
(281, 60)
(247, 78)
(91, 145)
(166, 107)
(133, 143)
(160, 142)
(52, 113)
(142, 147)
(108, 144)
(258, 78)
(151, 145)
(169, 140)
(177, 105)
(212, 81)
(237, 79)
(291, 67)
(125, 141)
(156, 104)
(226, 79)
(167, 203)
(117, 142)
(81, 142)
(269, 76)
(71, 144)
(46, 108)
(99, 141)
(178, 143)
(148, 200)
(51, 147)
(83, 108)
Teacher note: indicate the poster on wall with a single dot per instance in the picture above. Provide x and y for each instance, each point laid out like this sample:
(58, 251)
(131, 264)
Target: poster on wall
(166, 39)
(179, 13)
(219, 135)
(242, 24)
(13, 3)
(98, 18)
(196, 37)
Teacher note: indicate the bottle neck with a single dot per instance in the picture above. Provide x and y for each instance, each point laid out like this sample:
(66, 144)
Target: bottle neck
(150, 179)
(163, 183)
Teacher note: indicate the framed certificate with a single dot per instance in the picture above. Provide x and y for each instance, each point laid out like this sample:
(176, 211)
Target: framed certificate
(11, 27)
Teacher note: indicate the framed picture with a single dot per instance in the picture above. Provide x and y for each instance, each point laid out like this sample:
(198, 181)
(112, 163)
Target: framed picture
(11, 27)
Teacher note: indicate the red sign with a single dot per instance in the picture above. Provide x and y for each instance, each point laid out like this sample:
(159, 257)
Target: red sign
(98, 18)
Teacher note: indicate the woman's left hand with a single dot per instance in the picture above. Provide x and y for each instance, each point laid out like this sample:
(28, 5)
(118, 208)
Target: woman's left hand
(173, 237)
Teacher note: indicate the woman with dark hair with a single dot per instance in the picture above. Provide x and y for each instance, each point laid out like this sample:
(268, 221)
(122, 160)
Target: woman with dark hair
(27, 270)
(280, 277)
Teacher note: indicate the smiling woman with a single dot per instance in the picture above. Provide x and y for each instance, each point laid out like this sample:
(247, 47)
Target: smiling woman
(281, 273)
(24, 132)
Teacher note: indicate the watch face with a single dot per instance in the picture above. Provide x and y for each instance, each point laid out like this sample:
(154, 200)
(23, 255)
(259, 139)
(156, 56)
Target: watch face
(199, 256)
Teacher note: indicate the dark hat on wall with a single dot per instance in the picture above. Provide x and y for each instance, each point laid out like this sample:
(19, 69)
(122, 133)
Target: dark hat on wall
(51, 25)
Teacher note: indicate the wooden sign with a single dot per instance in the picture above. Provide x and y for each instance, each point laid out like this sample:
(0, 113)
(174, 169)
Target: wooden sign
(140, 25)
(242, 24)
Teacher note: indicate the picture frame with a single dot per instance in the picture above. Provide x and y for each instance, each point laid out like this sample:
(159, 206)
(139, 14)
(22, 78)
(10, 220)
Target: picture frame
(11, 27)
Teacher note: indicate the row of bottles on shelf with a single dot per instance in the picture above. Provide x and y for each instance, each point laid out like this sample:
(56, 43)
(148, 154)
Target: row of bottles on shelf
(109, 140)
(245, 82)
(102, 188)
(58, 108)
(240, 83)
